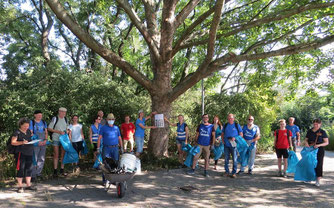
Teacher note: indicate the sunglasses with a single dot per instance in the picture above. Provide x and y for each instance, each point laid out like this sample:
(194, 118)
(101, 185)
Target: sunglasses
(250, 119)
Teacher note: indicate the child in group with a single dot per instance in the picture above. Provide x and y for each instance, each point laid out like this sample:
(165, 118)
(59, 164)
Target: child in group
(282, 143)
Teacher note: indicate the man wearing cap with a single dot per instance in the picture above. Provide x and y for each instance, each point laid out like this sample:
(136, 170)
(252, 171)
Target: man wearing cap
(57, 127)
(140, 131)
(39, 128)
(111, 139)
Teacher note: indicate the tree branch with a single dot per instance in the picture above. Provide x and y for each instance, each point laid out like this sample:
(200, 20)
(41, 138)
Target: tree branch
(104, 52)
(269, 18)
(185, 12)
(140, 26)
(294, 49)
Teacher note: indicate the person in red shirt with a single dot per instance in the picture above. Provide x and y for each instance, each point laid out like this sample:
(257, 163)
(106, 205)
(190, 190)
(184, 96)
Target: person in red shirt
(282, 143)
(128, 130)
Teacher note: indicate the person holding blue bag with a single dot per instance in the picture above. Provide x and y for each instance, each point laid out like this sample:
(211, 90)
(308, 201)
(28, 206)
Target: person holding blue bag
(251, 134)
(317, 138)
(204, 139)
(39, 128)
(181, 138)
(295, 138)
(230, 131)
(76, 136)
(218, 143)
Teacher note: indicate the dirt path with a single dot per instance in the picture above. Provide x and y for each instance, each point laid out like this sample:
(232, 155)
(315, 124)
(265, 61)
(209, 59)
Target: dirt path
(161, 189)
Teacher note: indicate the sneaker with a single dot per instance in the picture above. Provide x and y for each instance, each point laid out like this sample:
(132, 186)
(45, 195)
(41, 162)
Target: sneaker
(62, 172)
(250, 172)
(284, 175)
(241, 172)
(317, 183)
(20, 190)
(55, 173)
(206, 173)
(31, 188)
(279, 174)
(191, 172)
(233, 175)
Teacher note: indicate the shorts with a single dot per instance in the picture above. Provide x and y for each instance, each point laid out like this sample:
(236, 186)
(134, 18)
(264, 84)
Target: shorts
(181, 142)
(139, 144)
(206, 151)
(282, 152)
(77, 146)
(56, 143)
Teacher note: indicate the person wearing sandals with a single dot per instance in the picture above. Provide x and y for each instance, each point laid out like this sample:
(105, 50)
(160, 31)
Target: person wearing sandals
(23, 154)
(317, 138)
(282, 143)
(181, 138)
(218, 127)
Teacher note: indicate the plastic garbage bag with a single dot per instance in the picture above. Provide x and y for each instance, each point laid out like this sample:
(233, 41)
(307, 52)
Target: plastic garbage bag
(218, 151)
(305, 168)
(292, 162)
(71, 156)
(242, 148)
(85, 148)
(186, 147)
(244, 157)
(98, 157)
(190, 156)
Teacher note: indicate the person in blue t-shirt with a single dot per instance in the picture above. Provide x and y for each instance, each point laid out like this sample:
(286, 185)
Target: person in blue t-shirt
(230, 131)
(111, 139)
(295, 133)
(140, 131)
(204, 139)
(181, 138)
(251, 135)
(39, 127)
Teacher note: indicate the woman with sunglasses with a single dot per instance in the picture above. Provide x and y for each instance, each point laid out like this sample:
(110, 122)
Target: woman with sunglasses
(94, 131)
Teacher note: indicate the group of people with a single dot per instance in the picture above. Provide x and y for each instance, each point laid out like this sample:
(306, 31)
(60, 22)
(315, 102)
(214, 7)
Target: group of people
(286, 137)
(102, 133)
(106, 139)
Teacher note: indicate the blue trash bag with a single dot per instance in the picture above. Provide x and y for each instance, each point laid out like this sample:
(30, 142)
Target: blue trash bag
(194, 150)
(292, 162)
(34, 161)
(244, 158)
(98, 157)
(186, 147)
(71, 156)
(35, 137)
(190, 156)
(305, 168)
(218, 151)
(85, 148)
(242, 148)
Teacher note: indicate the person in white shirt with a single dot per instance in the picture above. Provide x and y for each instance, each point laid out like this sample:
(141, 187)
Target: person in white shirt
(76, 134)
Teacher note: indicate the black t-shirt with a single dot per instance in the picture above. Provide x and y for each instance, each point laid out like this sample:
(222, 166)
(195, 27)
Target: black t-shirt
(311, 135)
(26, 149)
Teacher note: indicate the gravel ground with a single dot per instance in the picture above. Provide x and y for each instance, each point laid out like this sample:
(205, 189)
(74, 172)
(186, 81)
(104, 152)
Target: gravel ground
(162, 189)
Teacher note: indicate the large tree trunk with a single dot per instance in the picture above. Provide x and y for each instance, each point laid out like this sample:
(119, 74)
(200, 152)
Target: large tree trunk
(158, 142)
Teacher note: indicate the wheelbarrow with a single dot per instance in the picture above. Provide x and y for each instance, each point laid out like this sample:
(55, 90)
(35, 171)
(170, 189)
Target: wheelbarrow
(116, 176)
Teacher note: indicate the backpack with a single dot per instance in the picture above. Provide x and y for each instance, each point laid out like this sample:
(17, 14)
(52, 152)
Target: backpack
(236, 126)
(10, 148)
(56, 124)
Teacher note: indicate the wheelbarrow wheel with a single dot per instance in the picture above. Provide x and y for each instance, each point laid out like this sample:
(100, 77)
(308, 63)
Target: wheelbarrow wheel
(121, 190)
